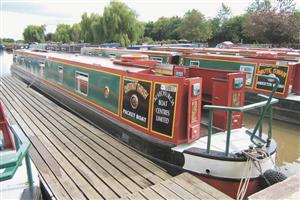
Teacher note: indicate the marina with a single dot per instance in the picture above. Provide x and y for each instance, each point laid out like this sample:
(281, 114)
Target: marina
(249, 121)
(135, 101)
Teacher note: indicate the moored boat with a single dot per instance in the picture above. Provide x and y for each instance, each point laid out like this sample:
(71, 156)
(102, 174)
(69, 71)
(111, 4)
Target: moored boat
(282, 64)
(15, 163)
(158, 113)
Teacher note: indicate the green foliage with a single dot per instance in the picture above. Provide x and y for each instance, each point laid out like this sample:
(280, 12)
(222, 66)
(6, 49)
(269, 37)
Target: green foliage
(63, 33)
(86, 27)
(194, 27)
(34, 33)
(75, 33)
(119, 24)
(148, 29)
(164, 28)
(6, 40)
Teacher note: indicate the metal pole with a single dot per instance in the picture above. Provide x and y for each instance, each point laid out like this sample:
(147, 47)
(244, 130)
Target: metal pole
(210, 119)
(228, 132)
(270, 125)
(260, 125)
(29, 172)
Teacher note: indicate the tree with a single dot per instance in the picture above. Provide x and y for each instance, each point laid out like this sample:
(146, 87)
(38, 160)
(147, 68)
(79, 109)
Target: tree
(63, 33)
(98, 29)
(194, 27)
(273, 27)
(34, 33)
(160, 29)
(86, 27)
(75, 33)
(120, 24)
(149, 29)
(285, 5)
(50, 37)
(7, 40)
(224, 14)
(259, 6)
(232, 29)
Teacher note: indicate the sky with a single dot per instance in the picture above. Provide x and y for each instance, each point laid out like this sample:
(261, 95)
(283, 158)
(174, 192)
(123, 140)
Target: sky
(15, 15)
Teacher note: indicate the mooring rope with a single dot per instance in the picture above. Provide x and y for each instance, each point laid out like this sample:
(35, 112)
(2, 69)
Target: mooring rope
(253, 156)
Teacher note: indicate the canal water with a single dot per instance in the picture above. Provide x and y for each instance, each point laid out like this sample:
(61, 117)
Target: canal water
(286, 135)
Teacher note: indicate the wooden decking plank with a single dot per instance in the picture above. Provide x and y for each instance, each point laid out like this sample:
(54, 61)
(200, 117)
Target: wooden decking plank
(90, 176)
(150, 194)
(65, 181)
(200, 194)
(136, 196)
(55, 186)
(82, 184)
(147, 174)
(164, 192)
(192, 180)
(180, 191)
(66, 141)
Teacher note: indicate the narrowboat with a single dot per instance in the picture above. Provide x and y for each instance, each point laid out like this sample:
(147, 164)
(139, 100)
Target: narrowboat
(284, 65)
(15, 163)
(159, 114)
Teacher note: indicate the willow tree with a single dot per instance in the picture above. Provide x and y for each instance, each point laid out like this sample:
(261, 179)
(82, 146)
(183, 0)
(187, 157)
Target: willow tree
(119, 24)
(194, 27)
(63, 33)
(34, 33)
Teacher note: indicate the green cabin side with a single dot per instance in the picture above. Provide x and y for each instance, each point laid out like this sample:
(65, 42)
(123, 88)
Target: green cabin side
(64, 76)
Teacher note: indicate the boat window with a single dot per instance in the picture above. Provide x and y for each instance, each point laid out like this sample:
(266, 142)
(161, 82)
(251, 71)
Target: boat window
(60, 74)
(82, 81)
(194, 63)
(159, 59)
(42, 68)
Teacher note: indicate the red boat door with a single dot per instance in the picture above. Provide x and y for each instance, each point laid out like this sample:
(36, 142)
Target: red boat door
(229, 91)
(194, 108)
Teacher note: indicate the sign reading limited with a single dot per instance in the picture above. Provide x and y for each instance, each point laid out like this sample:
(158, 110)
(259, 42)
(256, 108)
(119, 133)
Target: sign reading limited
(163, 109)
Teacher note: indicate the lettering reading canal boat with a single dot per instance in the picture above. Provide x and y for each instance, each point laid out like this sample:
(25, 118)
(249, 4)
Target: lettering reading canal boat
(159, 115)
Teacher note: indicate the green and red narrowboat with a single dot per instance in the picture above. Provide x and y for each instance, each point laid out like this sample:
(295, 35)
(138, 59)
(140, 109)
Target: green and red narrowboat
(159, 114)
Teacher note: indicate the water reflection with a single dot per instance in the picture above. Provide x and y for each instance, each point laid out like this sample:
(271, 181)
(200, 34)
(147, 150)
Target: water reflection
(5, 62)
(286, 135)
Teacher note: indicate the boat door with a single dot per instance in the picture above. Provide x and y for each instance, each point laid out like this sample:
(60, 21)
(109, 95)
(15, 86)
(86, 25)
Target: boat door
(229, 91)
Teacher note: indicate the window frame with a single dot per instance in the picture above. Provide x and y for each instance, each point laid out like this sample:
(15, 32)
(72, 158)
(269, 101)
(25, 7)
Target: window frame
(60, 70)
(194, 61)
(77, 83)
(156, 58)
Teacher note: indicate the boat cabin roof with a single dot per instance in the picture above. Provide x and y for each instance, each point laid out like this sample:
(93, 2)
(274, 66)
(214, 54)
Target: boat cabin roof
(82, 59)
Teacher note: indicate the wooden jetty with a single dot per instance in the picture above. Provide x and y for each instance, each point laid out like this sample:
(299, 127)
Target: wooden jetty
(287, 189)
(76, 160)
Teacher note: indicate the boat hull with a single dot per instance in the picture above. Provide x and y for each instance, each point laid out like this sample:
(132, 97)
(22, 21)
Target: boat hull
(230, 187)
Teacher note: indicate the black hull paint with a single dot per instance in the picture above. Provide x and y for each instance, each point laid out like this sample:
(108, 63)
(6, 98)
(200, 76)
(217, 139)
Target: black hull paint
(159, 152)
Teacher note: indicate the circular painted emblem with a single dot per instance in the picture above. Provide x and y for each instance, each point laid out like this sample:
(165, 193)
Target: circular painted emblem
(134, 101)
(106, 92)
